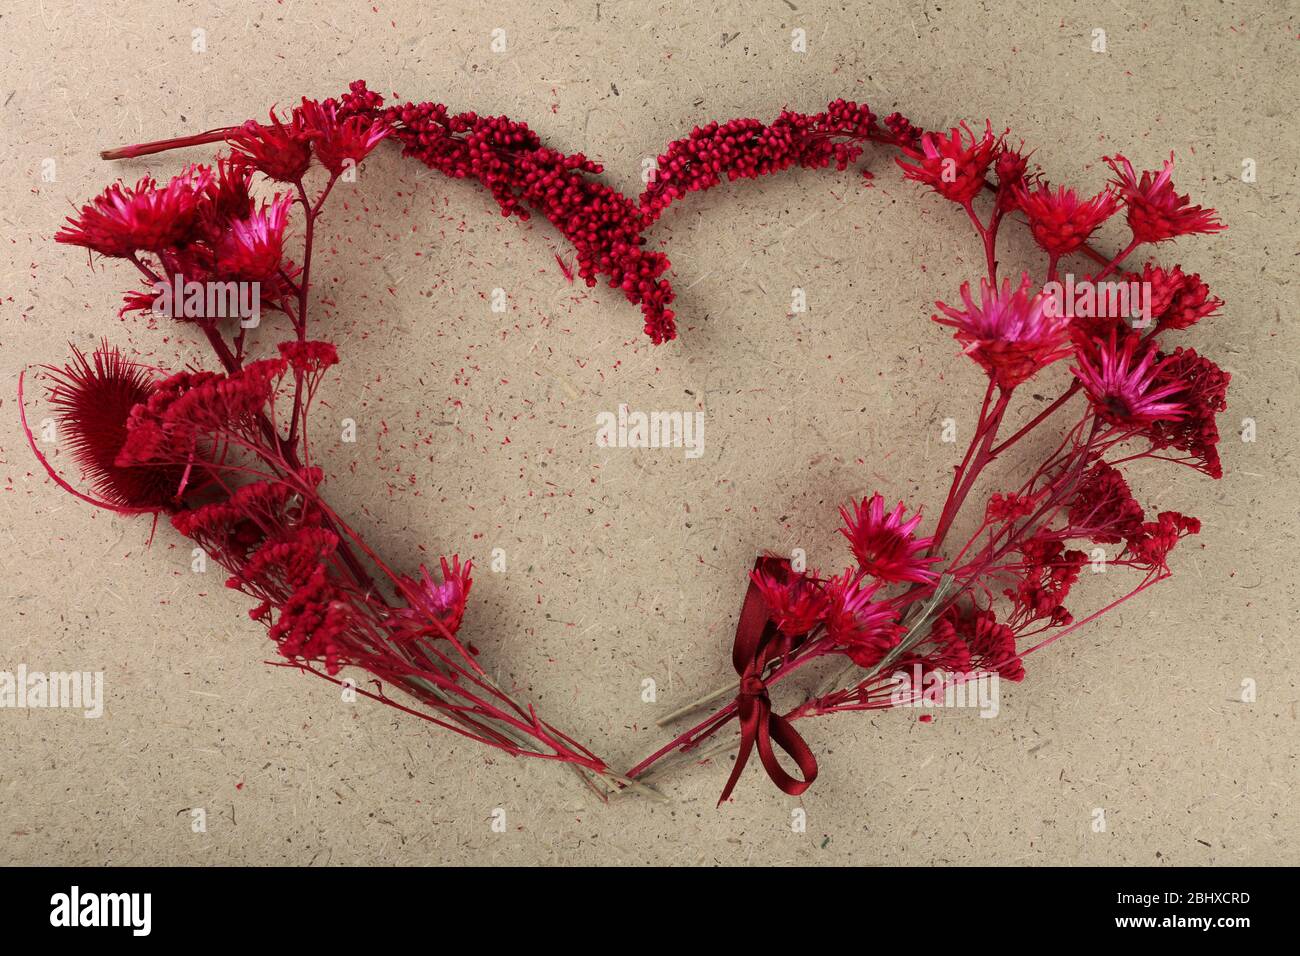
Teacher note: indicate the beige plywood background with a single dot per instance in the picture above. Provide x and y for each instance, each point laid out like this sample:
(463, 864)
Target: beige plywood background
(622, 564)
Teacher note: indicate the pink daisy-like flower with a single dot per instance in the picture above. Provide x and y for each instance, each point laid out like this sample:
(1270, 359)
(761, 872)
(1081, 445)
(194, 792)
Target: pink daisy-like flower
(796, 602)
(253, 248)
(443, 602)
(949, 165)
(1059, 221)
(1010, 333)
(885, 545)
(124, 219)
(1122, 382)
(867, 629)
(1155, 211)
(339, 143)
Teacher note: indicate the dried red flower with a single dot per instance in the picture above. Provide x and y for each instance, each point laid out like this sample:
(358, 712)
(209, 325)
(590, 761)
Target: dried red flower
(94, 397)
(886, 546)
(1046, 574)
(864, 627)
(950, 165)
(1178, 300)
(252, 249)
(124, 219)
(339, 142)
(1010, 333)
(1123, 382)
(442, 603)
(1155, 212)
(281, 151)
(1151, 545)
(796, 601)
(1201, 389)
(1103, 508)
(1059, 221)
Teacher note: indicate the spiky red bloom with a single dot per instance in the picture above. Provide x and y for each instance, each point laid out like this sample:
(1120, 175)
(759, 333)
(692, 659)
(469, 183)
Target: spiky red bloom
(1059, 221)
(796, 602)
(1123, 384)
(339, 143)
(1010, 333)
(951, 166)
(1155, 211)
(94, 398)
(252, 249)
(885, 545)
(281, 151)
(1010, 169)
(427, 600)
(865, 628)
(228, 196)
(124, 219)
(1178, 300)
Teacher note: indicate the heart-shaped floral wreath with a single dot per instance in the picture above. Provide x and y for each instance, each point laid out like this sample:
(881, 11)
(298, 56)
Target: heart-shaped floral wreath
(225, 454)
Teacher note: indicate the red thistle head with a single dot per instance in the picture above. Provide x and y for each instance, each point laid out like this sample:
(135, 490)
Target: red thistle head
(1059, 221)
(796, 601)
(1122, 381)
(885, 544)
(1010, 332)
(94, 397)
(951, 166)
(865, 628)
(279, 150)
(1155, 211)
(124, 219)
(445, 602)
(252, 249)
(339, 142)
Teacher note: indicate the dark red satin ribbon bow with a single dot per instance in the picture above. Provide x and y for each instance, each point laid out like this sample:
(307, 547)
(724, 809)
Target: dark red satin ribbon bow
(758, 643)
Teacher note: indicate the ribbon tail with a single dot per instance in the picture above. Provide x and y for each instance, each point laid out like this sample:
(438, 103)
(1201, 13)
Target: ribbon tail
(750, 728)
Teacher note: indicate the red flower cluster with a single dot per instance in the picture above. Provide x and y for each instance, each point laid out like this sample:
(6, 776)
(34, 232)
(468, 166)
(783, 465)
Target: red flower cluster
(222, 452)
(965, 640)
(947, 620)
(747, 149)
